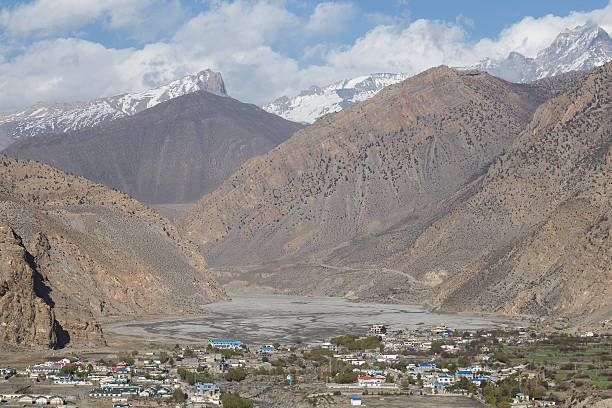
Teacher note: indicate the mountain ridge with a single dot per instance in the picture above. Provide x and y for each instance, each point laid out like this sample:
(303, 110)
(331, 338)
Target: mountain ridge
(580, 48)
(63, 117)
(173, 152)
(358, 170)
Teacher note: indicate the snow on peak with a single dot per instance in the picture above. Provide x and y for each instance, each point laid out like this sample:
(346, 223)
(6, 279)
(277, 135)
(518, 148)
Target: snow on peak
(316, 101)
(63, 117)
(579, 48)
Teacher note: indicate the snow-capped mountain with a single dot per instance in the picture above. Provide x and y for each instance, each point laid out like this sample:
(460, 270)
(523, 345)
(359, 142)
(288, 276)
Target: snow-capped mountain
(315, 102)
(62, 117)
(580, 48)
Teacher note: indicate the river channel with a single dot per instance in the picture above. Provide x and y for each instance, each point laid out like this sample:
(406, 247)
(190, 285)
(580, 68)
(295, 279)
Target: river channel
(295, 320)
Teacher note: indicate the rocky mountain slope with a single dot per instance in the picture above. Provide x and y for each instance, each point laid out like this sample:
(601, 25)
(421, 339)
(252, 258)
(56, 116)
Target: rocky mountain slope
(172, 153)
(26, 318)
(580, 48)
(403, 156)
(315, 102)
(101, 253)
(536, 238)
(446, 189)
(64, 117)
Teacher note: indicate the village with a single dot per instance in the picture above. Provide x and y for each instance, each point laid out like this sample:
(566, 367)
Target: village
(518, 368)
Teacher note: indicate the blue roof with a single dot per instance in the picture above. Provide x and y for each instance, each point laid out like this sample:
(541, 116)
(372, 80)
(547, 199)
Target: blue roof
(464, 372)
(207, 386)
(426, 365)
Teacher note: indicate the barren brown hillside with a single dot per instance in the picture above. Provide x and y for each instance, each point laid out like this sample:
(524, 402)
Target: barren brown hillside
(536, 238)
(327, 210)
(173, 152)
(102, 253)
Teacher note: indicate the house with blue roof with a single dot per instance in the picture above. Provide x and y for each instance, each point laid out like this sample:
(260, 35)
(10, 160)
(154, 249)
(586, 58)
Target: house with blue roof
(225, 344)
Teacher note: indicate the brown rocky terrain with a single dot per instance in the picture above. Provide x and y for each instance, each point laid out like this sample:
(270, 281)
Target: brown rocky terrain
(174, 152)
(322, 212)
(26, 317)
(102, 254)
(448, 189)
(536, 238)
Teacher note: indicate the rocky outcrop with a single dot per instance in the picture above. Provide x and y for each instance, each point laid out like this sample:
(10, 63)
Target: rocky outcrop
(102, 254)
(26, 310)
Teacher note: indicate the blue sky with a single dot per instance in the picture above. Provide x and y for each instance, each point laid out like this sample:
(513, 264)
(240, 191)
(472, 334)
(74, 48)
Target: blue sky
(64, 50)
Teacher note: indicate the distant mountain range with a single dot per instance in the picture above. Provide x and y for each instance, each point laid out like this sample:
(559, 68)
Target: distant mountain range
(64, 117)
(577, 49)
(174, 152)
(581, 48)
(315, 102)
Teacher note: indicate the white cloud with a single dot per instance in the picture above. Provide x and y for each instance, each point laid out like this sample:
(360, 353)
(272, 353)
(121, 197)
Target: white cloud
(241, 40)
(414, 47)
(330, 17)
(530, 35)
(50, 16)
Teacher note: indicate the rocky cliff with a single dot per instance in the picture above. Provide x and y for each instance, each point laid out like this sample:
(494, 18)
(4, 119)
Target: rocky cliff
(26, 312)
(102, 254)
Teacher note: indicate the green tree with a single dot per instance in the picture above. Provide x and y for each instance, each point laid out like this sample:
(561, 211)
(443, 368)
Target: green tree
(178, 395)
(235, 374)
(345, 378)
(68, 369)
(230, 400)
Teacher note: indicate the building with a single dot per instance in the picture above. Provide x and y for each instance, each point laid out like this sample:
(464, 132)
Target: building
(266, 349)
(442, 330)
(377, 330)
(164, 392)
(56, 400)
(444, 379)
(45, 368)
(208, 393)
(107, 392)
(27, 399)
(225, 344)
(355, 401)
(367, 381)
(423, 367)
(100, 377)
(332, 347)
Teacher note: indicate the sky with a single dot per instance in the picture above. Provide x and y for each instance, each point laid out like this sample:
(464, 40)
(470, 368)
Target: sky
(71, 50)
